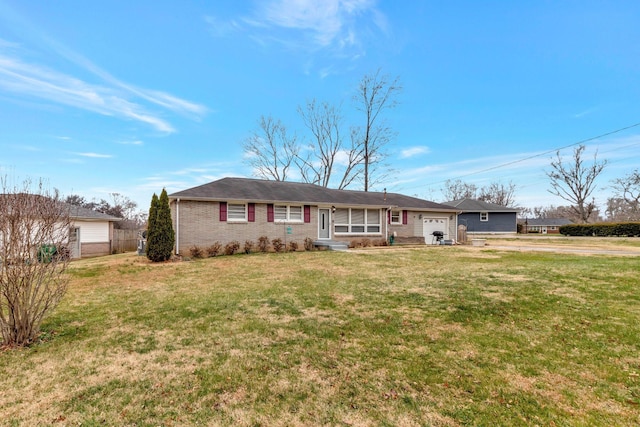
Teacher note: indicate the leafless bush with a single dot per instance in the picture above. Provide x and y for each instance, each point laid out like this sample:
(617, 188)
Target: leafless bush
(248, 246)
(277, 244)
(34, 234)
(231, 247)
(214, 250)
(196, 252)
(308, 244)
(263, 243)
(293, 246)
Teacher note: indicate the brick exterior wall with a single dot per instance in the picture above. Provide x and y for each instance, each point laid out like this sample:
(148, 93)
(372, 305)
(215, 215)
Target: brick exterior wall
(89, 250)
(200, 225)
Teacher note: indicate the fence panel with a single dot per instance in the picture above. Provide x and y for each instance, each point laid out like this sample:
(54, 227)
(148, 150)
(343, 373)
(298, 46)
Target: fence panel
(125, 241)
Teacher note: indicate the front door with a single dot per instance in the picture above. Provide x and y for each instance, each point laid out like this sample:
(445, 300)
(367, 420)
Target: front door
(324, 223)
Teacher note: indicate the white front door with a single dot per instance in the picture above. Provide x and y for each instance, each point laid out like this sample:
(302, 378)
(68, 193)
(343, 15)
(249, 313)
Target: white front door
(324, 223)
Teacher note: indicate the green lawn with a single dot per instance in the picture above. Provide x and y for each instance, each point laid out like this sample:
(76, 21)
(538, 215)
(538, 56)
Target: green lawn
(442, 336)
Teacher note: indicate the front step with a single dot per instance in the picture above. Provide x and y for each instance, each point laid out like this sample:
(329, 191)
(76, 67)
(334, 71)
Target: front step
(331, 245)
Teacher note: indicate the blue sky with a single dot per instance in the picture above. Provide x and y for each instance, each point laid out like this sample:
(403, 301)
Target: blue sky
(130, 97)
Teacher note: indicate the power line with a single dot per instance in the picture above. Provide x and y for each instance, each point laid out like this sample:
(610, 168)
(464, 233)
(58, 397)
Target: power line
(538, 155)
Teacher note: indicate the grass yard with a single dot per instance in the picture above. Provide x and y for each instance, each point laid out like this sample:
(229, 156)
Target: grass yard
(431, 336)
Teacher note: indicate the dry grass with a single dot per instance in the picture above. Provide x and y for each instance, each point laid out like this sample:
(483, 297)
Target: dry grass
(441, 336)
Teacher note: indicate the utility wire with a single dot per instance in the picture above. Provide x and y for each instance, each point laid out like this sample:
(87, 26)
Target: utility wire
(538, 155)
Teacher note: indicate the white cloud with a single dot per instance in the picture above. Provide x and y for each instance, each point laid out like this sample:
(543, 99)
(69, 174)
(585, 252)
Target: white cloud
(112, 98)
(41, 82)
(94, 155)
(413, 151)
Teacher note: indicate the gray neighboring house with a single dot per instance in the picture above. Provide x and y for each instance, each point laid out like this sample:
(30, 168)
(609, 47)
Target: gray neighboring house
(488, 218)
(91, 232)
(543, 225)
(241, 209)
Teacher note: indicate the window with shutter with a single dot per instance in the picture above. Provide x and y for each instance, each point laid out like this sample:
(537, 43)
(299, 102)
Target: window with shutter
(236, 212)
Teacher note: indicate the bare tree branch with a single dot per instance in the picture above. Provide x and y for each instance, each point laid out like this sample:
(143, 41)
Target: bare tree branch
(625, 204)
(324, 121)
(34, 233)
(575, 181)
(499, 194)
(376, 93)
(456, 190)
(270, 151)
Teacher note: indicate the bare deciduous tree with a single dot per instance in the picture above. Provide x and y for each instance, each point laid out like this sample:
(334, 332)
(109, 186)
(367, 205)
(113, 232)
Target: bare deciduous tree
(499, 194)
(270, 151)
(34, 232)
(625, 205)
(456, 190)
(120, 206)
(376, 93)
(324, 121)
(576, 181)
(551, 211)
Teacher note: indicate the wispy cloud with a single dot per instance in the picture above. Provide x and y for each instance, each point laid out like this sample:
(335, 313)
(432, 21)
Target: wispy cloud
(413, 151)
(110, 96)
(336, 27)
(94, 155)
(131, 142)
(584, 113)
(42, 82)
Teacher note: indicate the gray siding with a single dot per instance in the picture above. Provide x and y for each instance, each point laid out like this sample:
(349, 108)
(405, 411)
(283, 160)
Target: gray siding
(499, 222)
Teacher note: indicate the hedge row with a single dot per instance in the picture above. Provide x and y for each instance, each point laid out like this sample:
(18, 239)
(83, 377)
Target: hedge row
(602, 229)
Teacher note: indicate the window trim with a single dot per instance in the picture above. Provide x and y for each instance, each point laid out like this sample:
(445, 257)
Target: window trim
(484, 216)
(397, 221)
(229, 212)
(288, 217)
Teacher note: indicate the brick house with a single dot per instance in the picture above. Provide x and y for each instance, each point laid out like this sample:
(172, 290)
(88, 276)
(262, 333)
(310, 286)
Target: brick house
(240, 209)
(543, 225)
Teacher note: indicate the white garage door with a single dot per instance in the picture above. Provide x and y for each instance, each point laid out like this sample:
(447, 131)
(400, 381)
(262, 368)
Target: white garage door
(434, 224)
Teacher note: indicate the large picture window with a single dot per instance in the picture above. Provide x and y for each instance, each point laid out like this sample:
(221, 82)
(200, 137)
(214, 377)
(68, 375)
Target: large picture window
(357, 221)
(288, 213)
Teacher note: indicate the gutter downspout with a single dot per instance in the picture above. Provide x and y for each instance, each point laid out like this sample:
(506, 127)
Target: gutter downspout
(178, 226)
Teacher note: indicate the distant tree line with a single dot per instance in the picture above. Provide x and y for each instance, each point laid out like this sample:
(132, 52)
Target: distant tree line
(120, 206)
(572, 180)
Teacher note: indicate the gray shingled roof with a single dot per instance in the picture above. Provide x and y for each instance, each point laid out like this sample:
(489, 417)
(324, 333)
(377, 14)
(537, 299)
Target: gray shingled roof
(75, 212)
(556, 222)
(473, 205)
(263, 191)
(78, 212)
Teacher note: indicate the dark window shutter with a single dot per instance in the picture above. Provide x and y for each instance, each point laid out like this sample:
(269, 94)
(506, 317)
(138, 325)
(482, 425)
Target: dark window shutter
(388, 217)
(251, 212)
(405, 217)
(223, 211)
(269, 213)
(307, 213)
